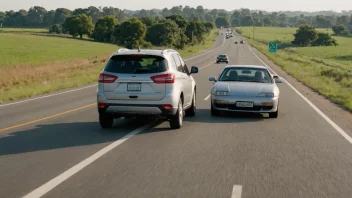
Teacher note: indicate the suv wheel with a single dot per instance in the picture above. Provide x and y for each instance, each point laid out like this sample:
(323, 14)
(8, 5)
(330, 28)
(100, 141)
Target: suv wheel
(106, 120)
(192, 110)
(177, 119)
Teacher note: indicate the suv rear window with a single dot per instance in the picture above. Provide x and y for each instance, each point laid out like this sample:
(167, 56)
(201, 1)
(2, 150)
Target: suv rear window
(133, 64)
(222, 56)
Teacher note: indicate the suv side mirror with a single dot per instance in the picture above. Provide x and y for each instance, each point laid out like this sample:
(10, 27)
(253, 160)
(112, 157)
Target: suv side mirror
(194, 70)
(277, 79)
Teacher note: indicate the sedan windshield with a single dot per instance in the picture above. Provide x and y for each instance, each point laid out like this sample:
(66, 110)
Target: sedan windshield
(245, 74)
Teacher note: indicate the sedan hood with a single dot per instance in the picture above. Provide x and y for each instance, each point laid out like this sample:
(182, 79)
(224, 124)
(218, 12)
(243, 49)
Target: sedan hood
(245, 88)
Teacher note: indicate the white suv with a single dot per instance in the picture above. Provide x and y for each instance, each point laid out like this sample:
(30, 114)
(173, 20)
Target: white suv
(146, 83)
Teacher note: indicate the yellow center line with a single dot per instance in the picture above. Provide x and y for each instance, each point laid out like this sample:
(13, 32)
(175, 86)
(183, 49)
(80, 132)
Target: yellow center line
(46, 118)
(207, 65)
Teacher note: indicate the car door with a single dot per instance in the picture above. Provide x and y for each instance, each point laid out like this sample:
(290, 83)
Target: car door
(182, 78)
(189, 81)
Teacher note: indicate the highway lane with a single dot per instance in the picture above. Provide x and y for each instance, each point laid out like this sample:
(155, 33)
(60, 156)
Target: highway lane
(32, 154)
(297, 155)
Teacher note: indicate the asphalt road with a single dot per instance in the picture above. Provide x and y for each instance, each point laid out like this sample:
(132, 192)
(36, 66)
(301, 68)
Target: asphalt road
(299, 154)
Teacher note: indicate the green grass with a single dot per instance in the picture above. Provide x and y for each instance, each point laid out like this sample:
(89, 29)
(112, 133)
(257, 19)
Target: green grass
(34, 65)
(28, 49)
(326, 69)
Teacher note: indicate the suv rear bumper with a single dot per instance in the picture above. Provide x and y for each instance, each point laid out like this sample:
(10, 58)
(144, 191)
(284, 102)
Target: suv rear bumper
(121, 110)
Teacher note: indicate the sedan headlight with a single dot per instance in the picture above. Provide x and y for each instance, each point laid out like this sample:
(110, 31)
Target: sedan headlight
(221, 93)
(266, 94)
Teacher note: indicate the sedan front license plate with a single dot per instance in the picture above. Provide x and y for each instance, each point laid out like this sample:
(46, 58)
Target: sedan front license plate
(244, 104)
(134, 87)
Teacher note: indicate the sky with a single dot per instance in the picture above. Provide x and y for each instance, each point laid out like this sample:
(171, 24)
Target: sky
(267, 5)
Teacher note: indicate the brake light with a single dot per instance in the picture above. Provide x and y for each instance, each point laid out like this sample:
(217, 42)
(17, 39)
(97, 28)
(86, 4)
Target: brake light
(167, 106)
(107, 78)
(164, 78)
(101, 105)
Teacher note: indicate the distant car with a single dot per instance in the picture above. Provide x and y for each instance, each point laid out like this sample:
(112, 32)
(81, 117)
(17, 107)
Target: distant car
(242, 41)
(236, 42)
(143, 83)
(245, 89)
(222, 58)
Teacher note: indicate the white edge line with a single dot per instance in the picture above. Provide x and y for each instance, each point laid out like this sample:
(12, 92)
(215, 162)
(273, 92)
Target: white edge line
(206, 98)
(64, 92)
(236, 191)
(46, 96)
(327, 119)
(45, 188)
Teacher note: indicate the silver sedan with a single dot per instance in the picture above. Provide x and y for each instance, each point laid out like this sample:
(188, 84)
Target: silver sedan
(245, 88)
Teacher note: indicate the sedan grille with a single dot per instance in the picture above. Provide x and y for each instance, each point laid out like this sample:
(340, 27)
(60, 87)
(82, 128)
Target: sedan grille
(233, 107)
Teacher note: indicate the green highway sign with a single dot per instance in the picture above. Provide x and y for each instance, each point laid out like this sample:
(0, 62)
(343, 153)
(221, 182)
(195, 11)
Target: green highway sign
(272, 46)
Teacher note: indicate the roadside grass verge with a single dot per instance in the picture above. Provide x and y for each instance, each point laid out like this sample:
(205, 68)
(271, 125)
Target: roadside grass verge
(327, 70)
(43, 64)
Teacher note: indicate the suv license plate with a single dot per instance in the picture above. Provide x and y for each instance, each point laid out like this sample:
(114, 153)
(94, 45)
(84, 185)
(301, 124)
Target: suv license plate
(244, 104)
(134, 87)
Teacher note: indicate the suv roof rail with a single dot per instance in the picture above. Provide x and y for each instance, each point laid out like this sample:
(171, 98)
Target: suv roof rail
(168, 50)
(122, 49)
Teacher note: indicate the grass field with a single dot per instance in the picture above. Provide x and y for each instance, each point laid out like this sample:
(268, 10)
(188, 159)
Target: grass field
(32, 65)
(327, 70)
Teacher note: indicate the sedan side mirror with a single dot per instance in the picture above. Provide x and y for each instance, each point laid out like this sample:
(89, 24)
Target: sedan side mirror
(212, 79)
(194, 70)
(277, 79)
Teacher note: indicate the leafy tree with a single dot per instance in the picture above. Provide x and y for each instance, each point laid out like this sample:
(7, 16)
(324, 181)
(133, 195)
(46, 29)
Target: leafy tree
(79, 25)
(61, 14)
(247, 21)
(340, 29)
(344, 19)
(324, 39)
(209, 26)
(166, 33)
(322, 22)
(130, 33)
(305, 35)
(180, 20)
(49, 18)
(56, 28)
(104, 28)
(222, 22)
(36, 15)
(119, 14)
(195, 31)
(176, 10)
(148, 21)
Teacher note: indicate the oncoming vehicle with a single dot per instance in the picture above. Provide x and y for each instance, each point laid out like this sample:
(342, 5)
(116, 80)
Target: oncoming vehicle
(248, 88)
(222, 58)
(146, 83)
(242, 41)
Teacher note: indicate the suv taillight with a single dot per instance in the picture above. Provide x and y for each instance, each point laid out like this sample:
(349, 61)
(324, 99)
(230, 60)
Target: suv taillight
(164, 78)
(107, 78)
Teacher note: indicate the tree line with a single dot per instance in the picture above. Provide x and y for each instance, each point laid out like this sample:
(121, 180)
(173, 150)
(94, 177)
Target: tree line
(40, 17)
(171, 31)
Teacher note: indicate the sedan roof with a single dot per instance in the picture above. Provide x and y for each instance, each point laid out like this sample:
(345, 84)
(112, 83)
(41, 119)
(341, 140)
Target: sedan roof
(247, 66)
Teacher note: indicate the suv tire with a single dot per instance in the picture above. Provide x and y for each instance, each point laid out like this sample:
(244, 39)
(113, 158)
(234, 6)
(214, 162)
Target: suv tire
(192, 110)
(106, 121)
(177, 119)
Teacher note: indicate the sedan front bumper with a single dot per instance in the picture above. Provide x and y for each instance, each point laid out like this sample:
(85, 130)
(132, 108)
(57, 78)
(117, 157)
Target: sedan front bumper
(260, 104)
